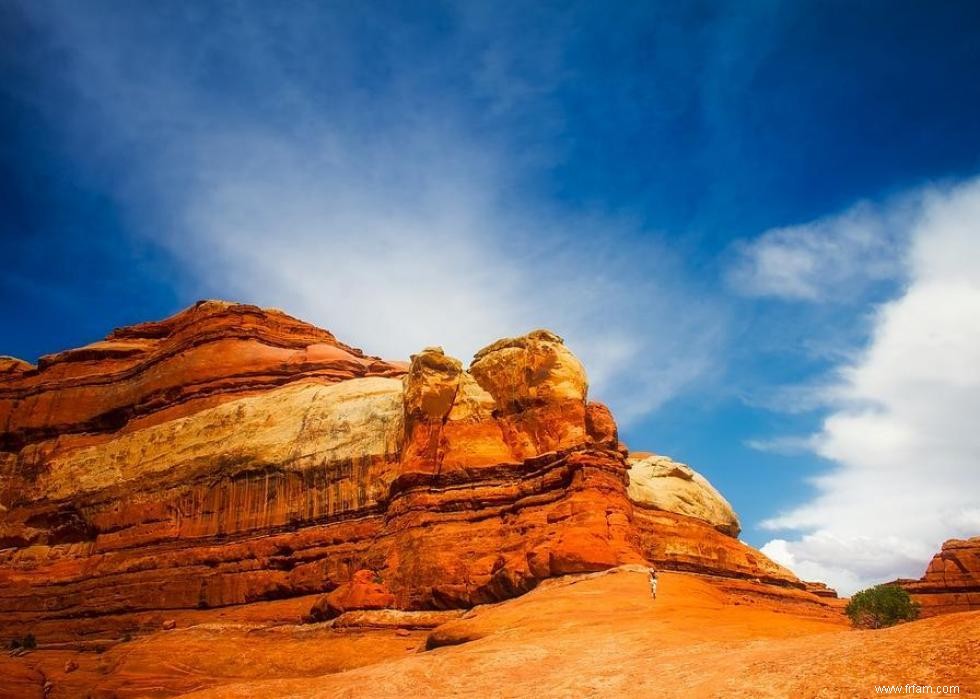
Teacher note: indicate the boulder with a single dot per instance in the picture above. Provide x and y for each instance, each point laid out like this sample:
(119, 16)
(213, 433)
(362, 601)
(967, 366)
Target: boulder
(365, 590)
(660, 483)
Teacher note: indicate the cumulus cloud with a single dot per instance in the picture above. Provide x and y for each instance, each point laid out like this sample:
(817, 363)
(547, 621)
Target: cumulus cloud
(902, 433)
(833, 258)
(379, 213)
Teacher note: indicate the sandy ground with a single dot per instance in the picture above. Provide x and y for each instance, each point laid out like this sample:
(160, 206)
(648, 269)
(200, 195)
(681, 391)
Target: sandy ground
(594, 636)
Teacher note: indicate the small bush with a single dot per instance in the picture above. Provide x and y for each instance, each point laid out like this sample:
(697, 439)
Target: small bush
(881, 606)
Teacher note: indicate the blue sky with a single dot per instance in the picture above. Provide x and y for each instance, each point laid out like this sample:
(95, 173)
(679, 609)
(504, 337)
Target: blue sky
(725, 208)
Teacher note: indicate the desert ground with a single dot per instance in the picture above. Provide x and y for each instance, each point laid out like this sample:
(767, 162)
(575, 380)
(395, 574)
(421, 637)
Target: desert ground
(598, 635)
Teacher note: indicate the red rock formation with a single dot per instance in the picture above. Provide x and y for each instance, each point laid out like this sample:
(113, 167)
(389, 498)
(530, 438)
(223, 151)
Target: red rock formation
(677, 542)
(231, 454)
(820, 589)
(365, 590)
(152, 372)
(952, 580)
(685, 524)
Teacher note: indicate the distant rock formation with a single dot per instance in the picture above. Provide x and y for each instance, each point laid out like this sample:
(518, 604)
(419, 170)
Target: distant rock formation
(952, 580)
(231, 454)
(820, 589)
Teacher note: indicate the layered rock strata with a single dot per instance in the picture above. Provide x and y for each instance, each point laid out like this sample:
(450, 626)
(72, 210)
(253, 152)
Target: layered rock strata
(155, 372)
(231, 454)
(951, 582)
(820, 589)
(685, 524)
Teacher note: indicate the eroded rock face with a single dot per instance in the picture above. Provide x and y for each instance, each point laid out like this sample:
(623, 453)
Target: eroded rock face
(539, 389)
(685, 524)
(231, 454)
(660, 483)
(505, 448)
(820, 589)
(449, 418)
(364, 591)
(952, 580)
(153, 372)
(677, 542)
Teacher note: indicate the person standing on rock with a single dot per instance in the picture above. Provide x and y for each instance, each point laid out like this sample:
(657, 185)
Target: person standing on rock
(653, 582)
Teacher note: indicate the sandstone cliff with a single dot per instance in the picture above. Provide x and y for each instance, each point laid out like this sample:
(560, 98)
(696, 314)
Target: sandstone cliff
(951, 582)
(231, 454)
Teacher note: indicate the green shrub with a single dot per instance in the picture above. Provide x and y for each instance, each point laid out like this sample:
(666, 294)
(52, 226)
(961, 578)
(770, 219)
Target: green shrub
(881, 606)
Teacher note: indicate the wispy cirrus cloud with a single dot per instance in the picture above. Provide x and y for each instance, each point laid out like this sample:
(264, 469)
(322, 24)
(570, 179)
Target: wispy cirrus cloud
(786, 444)
(830, 259)
(369, 204)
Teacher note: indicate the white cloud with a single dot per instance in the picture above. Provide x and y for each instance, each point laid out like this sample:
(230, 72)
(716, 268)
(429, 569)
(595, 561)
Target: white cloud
(903, 434)
(433, 252)
(786, 444)
(832, 258)
(379, 214)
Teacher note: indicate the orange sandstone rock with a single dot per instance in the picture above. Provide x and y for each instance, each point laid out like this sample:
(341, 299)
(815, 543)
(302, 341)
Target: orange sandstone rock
(660, 483)
(206, 354)
(229, 455)
(820, 589)
(952, 580)
(365, 590)
(599, 634)
(677, 542)
(601, 425)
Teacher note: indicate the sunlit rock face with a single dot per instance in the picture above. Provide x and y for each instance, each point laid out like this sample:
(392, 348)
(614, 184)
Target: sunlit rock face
(951, 582)
(677, 542)
(500, 483)
(660, 483)
(232, 454)
(684, 523)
